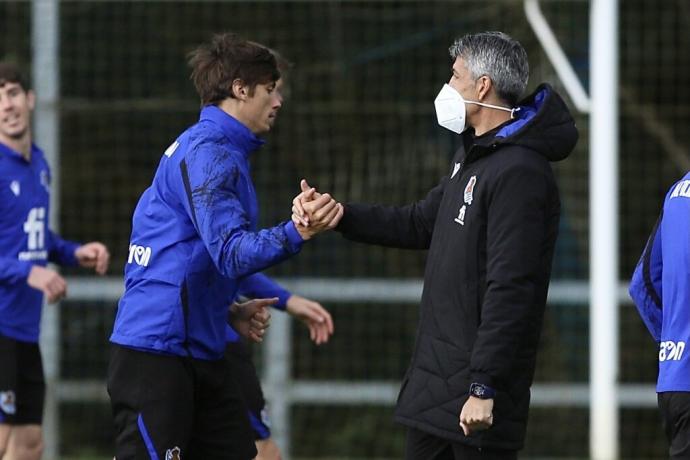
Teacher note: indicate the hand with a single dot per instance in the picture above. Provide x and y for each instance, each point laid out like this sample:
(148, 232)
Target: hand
(476, 415)
(93, 255)
(313, 213)
(308, 194)
(311, 313)
(251, 319)
(50, 282)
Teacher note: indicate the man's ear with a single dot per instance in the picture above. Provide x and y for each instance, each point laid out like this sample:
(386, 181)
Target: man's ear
(31, 99)
(239, 90)
(484, 85)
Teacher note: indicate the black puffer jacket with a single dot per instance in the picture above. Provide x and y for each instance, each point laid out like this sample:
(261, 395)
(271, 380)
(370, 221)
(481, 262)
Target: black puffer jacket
(490, 227)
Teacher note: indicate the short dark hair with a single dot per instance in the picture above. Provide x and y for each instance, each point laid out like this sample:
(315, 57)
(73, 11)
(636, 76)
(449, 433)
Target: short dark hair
(498, 56)
(10, 73)
(227, 57)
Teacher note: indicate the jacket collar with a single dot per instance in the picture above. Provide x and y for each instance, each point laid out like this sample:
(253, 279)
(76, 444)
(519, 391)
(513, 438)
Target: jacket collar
(233, 129)
(11, 153)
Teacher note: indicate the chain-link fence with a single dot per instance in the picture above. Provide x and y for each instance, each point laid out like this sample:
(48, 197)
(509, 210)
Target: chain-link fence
(359, 122)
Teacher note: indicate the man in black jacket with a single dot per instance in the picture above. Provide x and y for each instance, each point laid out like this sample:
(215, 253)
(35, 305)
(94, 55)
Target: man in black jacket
(490, 227)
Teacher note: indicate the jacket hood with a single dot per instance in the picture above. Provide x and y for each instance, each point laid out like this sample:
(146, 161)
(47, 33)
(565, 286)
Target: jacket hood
(542, 123)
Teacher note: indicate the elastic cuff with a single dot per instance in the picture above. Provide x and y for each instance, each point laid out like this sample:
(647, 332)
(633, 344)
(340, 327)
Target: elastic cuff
(484, 379)
(293, 236)
(283, 297)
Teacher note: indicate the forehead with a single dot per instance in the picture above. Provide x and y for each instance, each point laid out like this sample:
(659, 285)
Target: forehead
(9, 85)
(459, 66)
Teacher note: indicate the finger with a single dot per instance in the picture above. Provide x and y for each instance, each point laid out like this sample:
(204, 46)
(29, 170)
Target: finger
(298, 208)
(465, 429)
(336, 220)
(296, 214)
(328, 213)
(304, 185)
(103, 262)
(321, 214)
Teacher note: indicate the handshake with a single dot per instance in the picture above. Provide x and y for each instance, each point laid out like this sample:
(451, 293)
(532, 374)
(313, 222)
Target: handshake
(313, 212)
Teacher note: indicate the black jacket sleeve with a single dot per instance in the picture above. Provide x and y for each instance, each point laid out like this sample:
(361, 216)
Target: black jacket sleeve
(408, 227)
(518, 242)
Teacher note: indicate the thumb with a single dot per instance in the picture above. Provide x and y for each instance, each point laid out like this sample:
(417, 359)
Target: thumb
(465, 429)
(304, 185)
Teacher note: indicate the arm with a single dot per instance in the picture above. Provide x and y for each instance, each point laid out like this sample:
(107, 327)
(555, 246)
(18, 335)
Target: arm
(408, 227)
(14, 271)
(258, 285)
(645, 286)
(61, 251)
(518, 216)
(210, 179)
(311, 313)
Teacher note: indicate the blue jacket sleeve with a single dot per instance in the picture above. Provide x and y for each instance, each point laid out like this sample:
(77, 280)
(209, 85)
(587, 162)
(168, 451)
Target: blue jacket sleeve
(645, 286)
(212, 184)
(61, 251)
(13, 271)
(261, 286)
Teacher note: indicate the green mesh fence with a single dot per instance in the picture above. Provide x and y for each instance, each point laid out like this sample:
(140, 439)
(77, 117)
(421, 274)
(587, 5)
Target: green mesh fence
(359, 122)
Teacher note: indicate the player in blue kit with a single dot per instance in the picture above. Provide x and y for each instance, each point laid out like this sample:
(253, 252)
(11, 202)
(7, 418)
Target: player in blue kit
(192, 242)
(320, 324)
(661, 292)
(26, 246)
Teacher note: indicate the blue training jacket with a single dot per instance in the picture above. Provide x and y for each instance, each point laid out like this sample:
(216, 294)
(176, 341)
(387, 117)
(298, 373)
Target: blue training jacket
(193, 242)
(660, 288)
(25, 240)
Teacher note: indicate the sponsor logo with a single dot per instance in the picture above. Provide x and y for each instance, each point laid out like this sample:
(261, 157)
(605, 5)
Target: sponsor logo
(140, 255)
(8, 402)
(170, 150)
(173, 454)
(671, 351)
(35, 229)
(15, 187)
(456, 168)
(682, 189)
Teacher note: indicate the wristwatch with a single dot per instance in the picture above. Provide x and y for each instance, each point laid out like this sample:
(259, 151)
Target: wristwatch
(481, 391)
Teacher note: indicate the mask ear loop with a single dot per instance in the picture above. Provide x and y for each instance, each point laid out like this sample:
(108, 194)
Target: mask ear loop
(512, 112)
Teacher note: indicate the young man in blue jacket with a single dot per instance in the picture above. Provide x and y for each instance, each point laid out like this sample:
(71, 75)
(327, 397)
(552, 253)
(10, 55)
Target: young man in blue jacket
(192, 243)
(27, 244)
(661, 292)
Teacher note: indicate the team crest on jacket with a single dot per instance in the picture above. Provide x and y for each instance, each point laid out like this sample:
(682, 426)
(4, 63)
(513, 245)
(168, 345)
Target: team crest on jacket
(8, 402)
(469, 190)
(45, 180)
(173, 454)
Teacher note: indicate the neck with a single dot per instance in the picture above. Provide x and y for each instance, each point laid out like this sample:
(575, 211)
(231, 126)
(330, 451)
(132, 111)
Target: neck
(21, 145)
(488, 119)
(233, 108)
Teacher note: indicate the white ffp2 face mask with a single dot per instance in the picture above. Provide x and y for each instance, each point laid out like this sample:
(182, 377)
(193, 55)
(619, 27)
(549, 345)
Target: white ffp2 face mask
(450, 109)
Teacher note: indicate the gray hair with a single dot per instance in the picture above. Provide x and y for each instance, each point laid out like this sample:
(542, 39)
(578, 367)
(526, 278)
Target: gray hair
(499, 57)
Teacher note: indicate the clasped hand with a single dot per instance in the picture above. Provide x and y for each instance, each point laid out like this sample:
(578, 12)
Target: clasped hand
(313, 212)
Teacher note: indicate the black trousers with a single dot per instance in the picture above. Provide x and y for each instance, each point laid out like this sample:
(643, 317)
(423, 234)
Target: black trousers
(675, 417)
(169, 407)
(423, 446)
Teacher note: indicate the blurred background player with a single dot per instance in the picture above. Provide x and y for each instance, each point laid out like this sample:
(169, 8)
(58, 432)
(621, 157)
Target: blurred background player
(661, 292)
(26, 246)
(320, 324)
